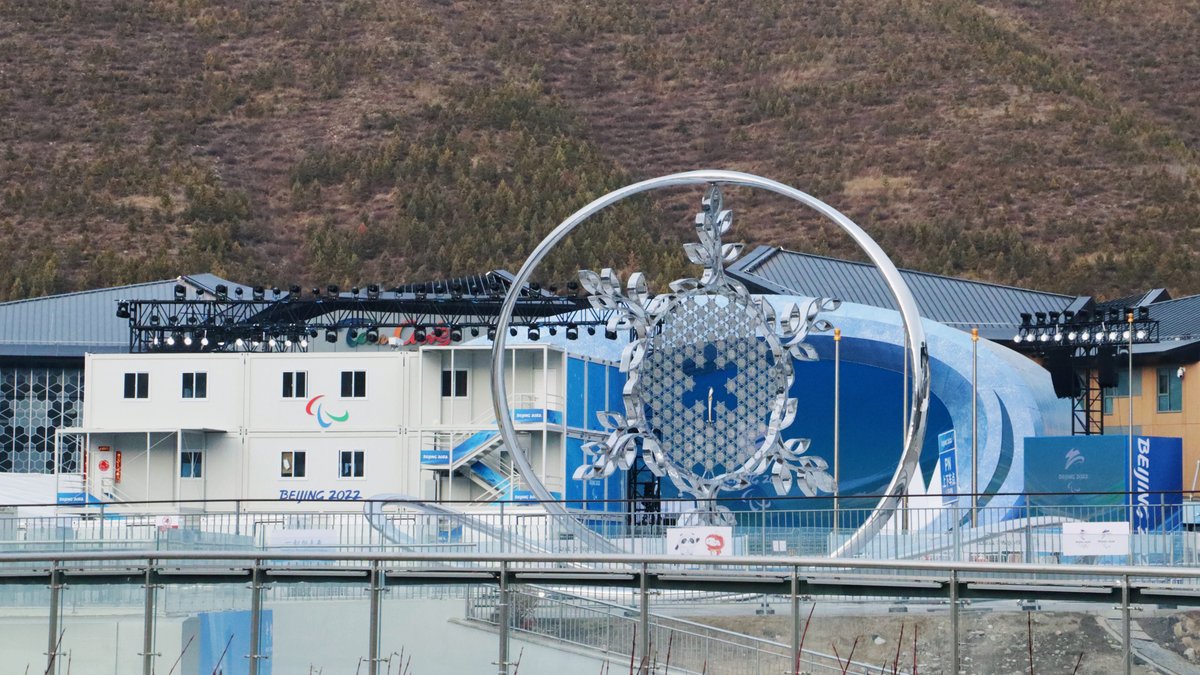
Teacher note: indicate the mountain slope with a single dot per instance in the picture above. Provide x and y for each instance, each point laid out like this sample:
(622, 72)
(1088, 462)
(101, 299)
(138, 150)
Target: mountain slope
(1046, 144)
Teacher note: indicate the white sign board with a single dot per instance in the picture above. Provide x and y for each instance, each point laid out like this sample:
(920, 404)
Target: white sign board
(167, 523)
(1105, 538)
(302, 538)
(704, 540)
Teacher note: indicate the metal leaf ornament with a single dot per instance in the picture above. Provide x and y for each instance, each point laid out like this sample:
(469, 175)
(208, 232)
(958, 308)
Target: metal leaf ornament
(708, 370)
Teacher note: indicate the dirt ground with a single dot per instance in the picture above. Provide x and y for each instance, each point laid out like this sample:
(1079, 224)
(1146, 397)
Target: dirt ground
(993, 642)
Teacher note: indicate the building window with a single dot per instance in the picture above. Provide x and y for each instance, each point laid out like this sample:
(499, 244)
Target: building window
(454, 383)
(1170, 390)
(354, 383)
(351, 464)
(1119, 391)
(191, 463)
(292, 464)
(137, 385)
(295, 384)
(195, 385)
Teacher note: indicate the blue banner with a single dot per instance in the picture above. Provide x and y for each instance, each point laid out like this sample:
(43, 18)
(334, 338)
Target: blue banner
(435, 456)
(948, 461)
(1157, 483)
(1064, 473)
(225, 641)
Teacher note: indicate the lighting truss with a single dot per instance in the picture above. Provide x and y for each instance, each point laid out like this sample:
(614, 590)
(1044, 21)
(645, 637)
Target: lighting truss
(1085, 341)
(229, 324)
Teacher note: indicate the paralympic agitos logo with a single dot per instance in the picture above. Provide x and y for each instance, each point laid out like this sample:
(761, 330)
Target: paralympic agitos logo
(325, 419)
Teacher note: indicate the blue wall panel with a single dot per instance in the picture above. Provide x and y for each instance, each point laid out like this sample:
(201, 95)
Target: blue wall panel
(574, 488)
(616, 383)
(597, 395)
(575, 392)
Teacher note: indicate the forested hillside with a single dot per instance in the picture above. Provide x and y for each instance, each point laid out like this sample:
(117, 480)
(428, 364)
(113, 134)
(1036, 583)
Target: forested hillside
(1041, 143)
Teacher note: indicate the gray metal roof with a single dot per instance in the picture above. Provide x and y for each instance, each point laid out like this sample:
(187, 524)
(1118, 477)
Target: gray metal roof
(1178, 319)
(961, 303)
(72, 324)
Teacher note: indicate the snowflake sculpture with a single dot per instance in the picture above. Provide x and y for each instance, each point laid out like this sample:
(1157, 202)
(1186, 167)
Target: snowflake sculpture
(708, 375)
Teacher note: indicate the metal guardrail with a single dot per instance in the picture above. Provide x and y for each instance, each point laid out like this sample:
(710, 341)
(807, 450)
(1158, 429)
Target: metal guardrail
(1032, 535)
(795, 577)
(609, 628)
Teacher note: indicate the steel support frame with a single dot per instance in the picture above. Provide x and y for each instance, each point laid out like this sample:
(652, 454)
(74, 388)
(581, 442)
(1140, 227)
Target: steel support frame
(799, 577)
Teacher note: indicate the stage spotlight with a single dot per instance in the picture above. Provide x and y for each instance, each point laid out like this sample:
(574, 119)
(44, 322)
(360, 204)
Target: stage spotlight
(1085, 336)
(1143, 313)
(512, 332)
(275, 292)
(474, 332)
(122, 310)
(331, 336)
(373, 292)
(419, 335)
(553, 330)
(533, 333)
(180, 292)
(239, 343)
(372, 336)
(610, 334)
(354, 291)
(222, 292)
(1141, 335)
(1017, 338)
(572, 331)
(1026, 319)
(271, 342)
(456, 335)
(258, 293)
(170, 340)
(1072, 335)
(304, 343)
(287, 342)
(591, 330)
(204, 340)
(238, 292)
(187, 340)
(294, 291)
(491, 334)
(332, 288)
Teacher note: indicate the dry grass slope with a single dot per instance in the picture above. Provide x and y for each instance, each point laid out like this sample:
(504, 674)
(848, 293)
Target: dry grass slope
(1041, 143)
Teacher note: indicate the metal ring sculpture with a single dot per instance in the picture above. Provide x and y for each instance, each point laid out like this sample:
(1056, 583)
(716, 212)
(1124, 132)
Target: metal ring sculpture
(910, 316)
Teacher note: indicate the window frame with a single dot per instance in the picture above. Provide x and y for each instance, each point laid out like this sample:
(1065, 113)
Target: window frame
(302, 465)
(199, 382)
(455, 382)
(141, 386)
(1118, 391)
(357, 465)
(1173, 396)
(196, 463)
(286, 386)
(354, 381)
